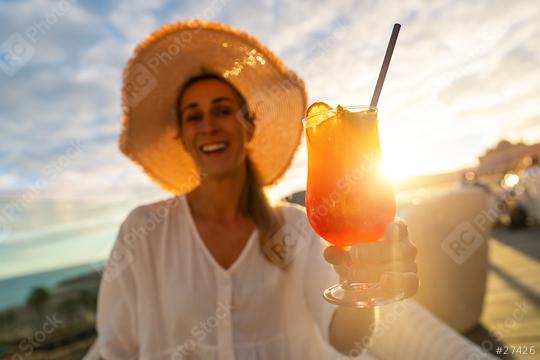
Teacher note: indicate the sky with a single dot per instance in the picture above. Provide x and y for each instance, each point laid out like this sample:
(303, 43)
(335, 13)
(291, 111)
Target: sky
(464, 74)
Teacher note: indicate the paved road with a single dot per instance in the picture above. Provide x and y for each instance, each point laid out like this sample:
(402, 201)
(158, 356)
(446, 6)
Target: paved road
(511, 316)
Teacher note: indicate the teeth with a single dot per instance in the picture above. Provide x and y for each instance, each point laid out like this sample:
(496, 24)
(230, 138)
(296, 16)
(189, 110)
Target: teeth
(213, 147)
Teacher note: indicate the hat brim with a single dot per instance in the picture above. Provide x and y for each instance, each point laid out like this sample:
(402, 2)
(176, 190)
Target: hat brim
(173, 54)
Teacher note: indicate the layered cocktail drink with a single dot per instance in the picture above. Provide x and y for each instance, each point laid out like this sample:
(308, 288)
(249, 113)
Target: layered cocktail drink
(349, 201)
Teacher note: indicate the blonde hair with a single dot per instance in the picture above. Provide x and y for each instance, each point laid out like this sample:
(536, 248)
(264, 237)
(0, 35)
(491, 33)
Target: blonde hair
(255, 204)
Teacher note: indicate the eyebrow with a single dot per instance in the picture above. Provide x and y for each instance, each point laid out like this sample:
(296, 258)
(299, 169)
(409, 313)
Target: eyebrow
(223, 98)
(214, 101)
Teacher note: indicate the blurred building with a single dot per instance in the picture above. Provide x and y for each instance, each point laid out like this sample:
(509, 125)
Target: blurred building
(505, 157)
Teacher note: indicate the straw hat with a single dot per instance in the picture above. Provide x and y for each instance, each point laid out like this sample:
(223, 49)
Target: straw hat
(171, 55)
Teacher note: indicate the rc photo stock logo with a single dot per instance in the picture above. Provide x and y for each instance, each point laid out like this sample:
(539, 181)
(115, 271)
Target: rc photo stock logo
(19, 48)
(119, 259)
(140, 83)
(281, 246)
(15, 52)
(462, 242)
(142, 78)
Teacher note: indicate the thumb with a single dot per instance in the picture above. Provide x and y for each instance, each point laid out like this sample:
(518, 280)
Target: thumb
(337, 256)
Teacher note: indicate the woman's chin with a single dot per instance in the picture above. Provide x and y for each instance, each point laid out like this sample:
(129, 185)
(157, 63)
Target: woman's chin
(218, 172)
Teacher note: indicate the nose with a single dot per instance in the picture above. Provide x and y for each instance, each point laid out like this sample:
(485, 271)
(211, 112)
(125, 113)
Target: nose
(208, 124)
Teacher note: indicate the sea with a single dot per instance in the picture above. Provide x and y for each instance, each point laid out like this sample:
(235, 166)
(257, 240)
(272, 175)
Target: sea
(45, 242)
(15, 290)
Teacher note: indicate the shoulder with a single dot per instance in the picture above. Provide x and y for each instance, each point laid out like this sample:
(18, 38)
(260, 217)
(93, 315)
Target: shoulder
(299, 231)
(292, 211)
(295, 215)
(296, 221)
(151, 212)
(143, 224)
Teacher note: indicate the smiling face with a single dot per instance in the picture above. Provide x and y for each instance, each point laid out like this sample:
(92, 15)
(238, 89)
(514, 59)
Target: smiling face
(212, 131)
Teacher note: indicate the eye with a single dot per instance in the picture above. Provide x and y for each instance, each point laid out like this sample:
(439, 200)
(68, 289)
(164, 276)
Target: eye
(223, 111)
(192, 117)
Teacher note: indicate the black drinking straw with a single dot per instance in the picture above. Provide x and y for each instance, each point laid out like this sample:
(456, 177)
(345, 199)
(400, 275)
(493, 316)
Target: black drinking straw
(386, 63)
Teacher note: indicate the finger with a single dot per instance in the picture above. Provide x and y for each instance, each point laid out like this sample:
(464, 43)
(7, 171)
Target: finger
(383, 251)
(366, 252)
(362, 274)
(394, 266)
(373, 272)
(396, 231)
(342, 271)
(407, 282)
(406, 251)
(394, 245)
(337, 256)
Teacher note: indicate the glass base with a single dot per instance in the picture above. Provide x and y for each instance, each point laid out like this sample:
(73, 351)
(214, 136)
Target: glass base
(362, 295)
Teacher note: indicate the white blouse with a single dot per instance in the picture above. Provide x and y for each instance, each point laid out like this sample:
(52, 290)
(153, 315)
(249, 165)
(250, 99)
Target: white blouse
(163, 295)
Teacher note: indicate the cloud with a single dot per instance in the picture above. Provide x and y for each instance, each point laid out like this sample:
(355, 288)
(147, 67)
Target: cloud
(134, 20)
(462, 75)
(8, 180)
(45, 107)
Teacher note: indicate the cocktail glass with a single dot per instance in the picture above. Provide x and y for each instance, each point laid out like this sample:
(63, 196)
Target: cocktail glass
(349, 201)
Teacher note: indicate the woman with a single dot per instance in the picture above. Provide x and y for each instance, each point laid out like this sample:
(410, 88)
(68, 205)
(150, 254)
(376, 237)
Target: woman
(216, 272)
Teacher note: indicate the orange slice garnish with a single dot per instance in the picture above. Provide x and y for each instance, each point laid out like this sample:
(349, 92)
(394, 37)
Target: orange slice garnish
(318, 108)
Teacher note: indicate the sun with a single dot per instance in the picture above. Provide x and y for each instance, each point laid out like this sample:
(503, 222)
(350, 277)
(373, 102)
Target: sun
(396, 172)
(399, 162)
